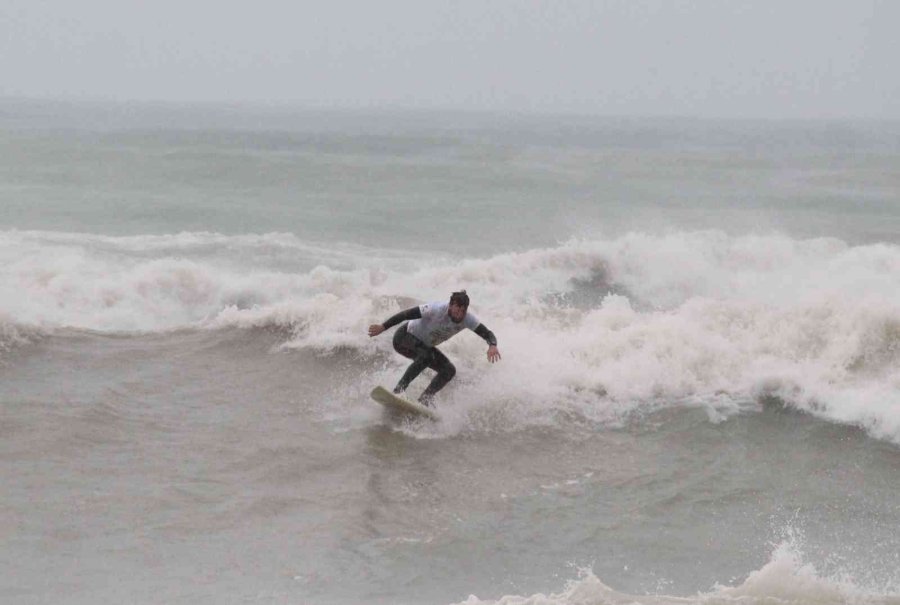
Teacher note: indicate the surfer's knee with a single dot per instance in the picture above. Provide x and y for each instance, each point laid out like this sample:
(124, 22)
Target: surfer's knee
(448, 371)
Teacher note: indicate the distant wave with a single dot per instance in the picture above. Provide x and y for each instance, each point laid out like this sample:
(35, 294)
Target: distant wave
(147, 243)
(590, 327)
(784, 579)
(198, 243)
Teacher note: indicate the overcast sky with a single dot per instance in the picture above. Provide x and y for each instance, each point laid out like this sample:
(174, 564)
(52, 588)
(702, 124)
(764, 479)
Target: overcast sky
(705, 58)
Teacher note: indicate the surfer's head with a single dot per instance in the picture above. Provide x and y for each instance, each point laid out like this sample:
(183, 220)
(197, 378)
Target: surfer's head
(459, 304)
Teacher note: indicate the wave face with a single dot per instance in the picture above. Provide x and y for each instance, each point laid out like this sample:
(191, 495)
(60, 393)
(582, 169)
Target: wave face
(598, 327)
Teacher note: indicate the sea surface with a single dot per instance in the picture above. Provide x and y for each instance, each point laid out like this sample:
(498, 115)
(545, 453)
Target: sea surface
(698, 399)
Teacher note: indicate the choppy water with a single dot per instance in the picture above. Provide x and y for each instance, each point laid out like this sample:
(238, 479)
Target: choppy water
(699, 398)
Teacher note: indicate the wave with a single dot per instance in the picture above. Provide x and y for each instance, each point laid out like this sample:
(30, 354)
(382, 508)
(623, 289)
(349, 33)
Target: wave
(152, 283)
(268, 247)
(784, 579)
(595, 328)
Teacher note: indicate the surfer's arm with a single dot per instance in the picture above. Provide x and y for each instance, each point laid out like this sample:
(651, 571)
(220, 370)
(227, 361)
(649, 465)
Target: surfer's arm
(413, 313)
(493, 354)
(486, 334)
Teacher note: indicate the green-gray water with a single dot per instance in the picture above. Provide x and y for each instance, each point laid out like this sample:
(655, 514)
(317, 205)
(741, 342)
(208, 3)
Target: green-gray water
(699, 394)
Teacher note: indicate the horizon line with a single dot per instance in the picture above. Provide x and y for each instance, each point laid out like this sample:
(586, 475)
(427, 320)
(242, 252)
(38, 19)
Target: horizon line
(396, 107)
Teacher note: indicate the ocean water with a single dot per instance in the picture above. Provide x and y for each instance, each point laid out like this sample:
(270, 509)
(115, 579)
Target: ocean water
(698, 401)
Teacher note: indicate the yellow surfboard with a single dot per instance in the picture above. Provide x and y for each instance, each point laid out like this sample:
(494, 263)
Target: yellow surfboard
(399, 404)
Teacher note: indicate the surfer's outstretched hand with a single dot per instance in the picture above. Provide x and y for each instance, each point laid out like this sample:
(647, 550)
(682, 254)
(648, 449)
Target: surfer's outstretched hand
(493, 354)
(376, 329)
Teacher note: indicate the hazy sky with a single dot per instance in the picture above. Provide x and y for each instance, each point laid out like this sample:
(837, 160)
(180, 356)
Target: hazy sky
(716, 58)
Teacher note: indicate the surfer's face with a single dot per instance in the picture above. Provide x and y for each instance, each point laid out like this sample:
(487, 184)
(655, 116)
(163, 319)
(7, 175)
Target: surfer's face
(457, 312)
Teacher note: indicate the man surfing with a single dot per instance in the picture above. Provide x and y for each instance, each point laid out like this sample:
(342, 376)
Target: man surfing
(427, 326)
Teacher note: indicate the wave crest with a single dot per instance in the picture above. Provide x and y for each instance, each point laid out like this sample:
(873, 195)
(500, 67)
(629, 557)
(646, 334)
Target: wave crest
(592, 327)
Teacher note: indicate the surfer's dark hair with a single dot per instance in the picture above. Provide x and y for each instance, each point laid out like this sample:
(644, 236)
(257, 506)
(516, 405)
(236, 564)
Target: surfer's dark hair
(460, 298)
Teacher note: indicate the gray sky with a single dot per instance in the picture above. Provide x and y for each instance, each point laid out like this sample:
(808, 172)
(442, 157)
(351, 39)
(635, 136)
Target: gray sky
(706, 58)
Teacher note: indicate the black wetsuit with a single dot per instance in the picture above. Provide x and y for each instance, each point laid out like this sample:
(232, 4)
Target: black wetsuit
(425, 356)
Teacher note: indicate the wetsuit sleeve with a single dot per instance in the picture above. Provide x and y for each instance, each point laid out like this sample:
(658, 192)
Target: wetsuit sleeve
(414, 313)
(486, 334)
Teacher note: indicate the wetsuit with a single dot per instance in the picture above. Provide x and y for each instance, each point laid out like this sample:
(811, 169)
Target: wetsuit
(428, 326)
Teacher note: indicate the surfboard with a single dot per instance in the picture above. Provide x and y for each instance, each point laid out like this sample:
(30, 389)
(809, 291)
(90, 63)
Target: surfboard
(399, 404)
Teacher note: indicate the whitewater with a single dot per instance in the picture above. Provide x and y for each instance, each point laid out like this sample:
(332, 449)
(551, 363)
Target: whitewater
(698, 319)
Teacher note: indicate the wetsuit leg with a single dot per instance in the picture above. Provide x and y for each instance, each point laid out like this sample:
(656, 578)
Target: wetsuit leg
(412, 348)
(423, 357)
(445, 373)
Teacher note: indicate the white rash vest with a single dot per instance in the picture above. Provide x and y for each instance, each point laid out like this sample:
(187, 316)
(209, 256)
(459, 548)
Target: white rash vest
(436, 326)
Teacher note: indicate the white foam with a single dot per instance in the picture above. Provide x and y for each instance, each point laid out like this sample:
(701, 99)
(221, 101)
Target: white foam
(784, 579)
(588, 329)
(158, 283)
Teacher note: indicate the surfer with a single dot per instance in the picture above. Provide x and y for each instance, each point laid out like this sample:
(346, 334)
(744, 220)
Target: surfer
(427, 326)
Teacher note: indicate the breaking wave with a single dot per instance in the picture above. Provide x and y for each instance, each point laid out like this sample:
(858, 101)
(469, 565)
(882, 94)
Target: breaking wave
(592, 327)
